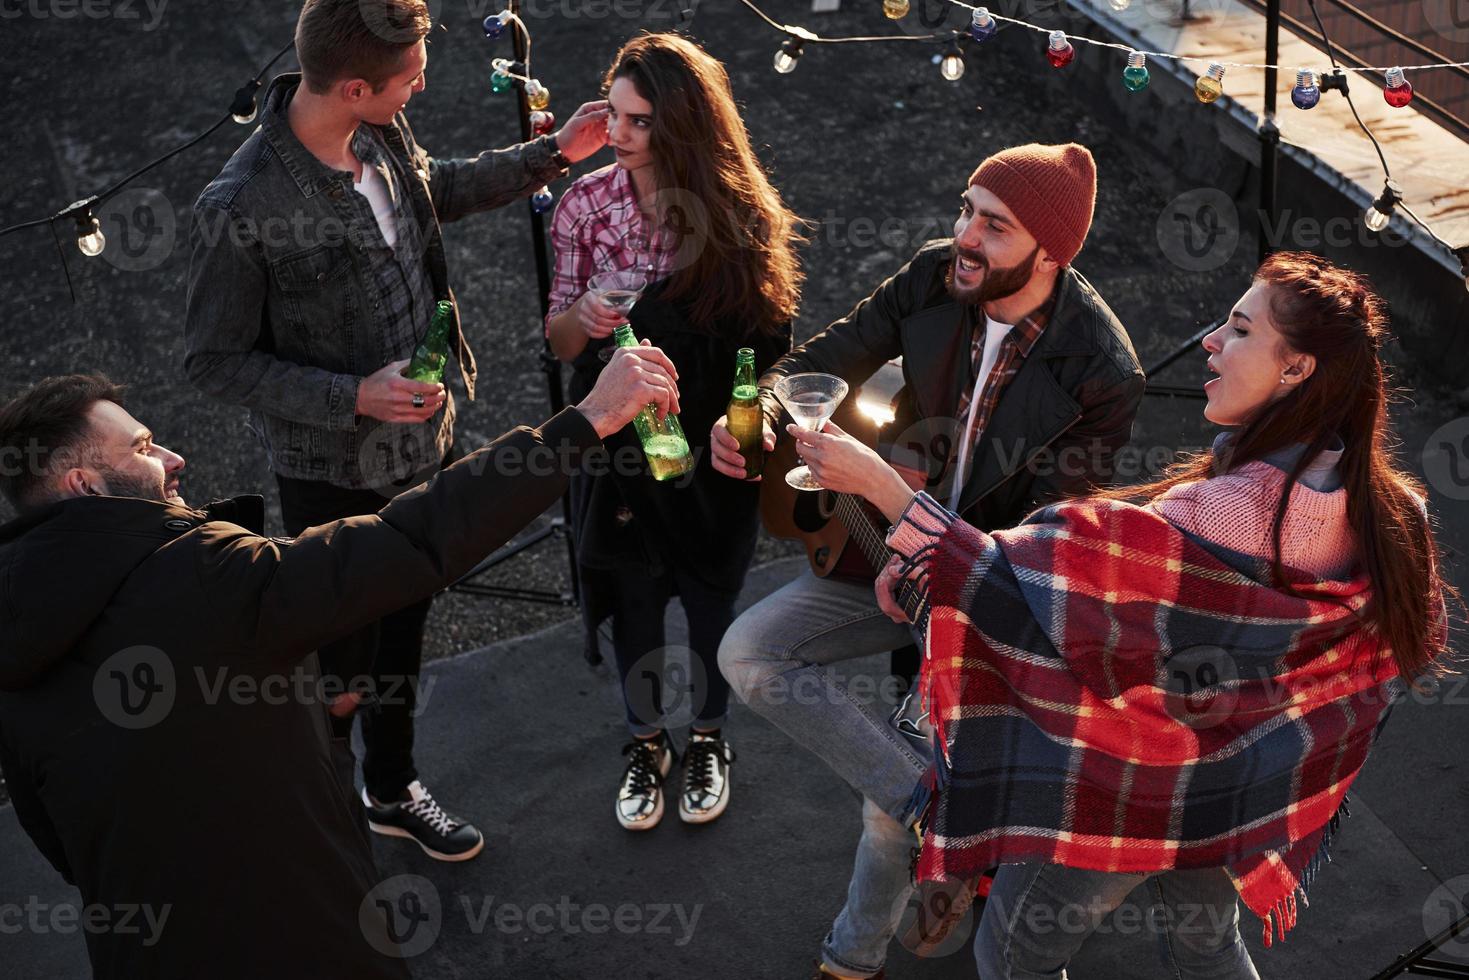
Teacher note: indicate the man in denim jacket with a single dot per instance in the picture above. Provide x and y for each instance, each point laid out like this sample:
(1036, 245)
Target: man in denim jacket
(317, 264)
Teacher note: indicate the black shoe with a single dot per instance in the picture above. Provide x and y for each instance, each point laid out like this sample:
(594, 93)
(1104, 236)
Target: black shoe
(419, 818)
(705, 778)
(639, 804)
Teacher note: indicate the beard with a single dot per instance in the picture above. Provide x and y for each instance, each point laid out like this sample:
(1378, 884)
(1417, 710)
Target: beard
(121, 484)
(996, 284)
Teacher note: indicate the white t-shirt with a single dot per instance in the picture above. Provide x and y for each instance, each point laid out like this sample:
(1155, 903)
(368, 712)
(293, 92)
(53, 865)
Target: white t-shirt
(375, 189)
(994, 332)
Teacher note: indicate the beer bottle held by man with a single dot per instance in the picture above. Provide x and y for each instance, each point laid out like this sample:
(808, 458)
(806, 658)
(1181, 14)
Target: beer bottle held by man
(744, 419)
(663, 441)
(432, 352)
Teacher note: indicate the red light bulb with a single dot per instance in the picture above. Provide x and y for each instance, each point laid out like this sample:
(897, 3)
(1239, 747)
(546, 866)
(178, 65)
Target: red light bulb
(1059, 51)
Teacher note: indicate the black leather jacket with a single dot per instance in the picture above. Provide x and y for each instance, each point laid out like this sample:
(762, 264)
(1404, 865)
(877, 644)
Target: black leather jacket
(1058, 424)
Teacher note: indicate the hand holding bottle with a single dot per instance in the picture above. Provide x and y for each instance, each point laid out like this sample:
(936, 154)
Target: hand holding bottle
(635, 378)
(386, 395)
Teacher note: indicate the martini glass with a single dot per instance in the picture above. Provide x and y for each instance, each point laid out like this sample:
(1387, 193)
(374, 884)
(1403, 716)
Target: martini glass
(811, 397)
(617, 291)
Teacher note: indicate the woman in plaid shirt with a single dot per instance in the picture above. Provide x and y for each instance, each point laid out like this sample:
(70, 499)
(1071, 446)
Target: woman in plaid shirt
(688, 204)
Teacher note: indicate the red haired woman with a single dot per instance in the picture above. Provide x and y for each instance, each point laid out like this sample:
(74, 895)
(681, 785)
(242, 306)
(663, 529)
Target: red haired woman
(688, 204)
(1174, 684)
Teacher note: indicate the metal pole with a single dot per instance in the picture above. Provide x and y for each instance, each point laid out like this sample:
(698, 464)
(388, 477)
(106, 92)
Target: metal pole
(1269, 132)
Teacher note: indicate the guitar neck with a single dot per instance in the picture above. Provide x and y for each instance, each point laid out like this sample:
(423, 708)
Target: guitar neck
(873, 543)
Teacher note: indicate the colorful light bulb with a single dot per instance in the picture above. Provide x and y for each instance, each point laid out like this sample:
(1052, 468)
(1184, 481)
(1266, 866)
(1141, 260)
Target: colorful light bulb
(542, 121)
(1135, 75)
(1210, 86)
(785, 58)
(1059, 50)
(952, 67)
(542, 200)
(1398, 92)
(537, 95)
(982, 26)
(1306, 94)
(895, 9)
(495, 24)
(500, 82)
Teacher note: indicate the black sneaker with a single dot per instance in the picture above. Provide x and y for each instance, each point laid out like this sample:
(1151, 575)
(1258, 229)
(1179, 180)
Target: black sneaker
(639, 804)
(442, 836)
(705, 778)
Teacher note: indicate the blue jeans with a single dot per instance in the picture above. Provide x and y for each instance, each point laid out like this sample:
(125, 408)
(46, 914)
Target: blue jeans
(778, 658)
(1038, 916)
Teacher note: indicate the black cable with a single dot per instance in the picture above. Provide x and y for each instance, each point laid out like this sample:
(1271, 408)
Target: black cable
(97, 199)
(1346, 92)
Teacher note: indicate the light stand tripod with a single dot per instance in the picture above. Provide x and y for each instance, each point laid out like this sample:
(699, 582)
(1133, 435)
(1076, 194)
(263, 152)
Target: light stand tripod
(559, 527)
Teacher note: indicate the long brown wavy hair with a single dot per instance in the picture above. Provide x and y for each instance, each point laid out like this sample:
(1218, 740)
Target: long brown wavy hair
(736, 237)
(1334, 315)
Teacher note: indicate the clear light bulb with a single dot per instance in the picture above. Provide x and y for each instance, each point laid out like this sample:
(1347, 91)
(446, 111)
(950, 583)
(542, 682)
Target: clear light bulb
(1059, 50)
(1119, 5)
(89, 235)
(1398, 92)
(1379, 215)
(952, 67)
(1306, 93)
(895, 9)
(785, 58)
(1210, 86)
(1135, 75)
(982, 26)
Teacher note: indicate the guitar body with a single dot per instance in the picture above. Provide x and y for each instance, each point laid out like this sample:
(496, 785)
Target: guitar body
(817, 518)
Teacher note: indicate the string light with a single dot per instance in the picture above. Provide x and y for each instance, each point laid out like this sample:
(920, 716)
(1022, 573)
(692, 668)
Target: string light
(542, 121)
(243, 108)
(1306, 94)
(1398, 92)
(1211, 85)
(495, 24)
(785, 58)
(537, 95)
(895, 9)
(542, 200)
(1380, 213)
(952, 67)
(1119, 5)
(982, 26)
(90, 239)
(1135, 75)
(1059, 50)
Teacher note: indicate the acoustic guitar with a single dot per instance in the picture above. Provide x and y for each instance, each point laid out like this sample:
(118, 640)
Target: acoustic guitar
(844, 535)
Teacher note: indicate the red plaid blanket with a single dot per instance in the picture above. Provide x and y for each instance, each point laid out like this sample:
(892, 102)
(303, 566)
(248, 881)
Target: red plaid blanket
(1109, 692)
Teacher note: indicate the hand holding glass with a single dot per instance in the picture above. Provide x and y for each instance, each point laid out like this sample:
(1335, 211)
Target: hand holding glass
(811, 397)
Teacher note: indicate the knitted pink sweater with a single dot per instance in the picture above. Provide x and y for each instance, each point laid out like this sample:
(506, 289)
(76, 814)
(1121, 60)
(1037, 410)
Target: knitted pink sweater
(1236, 510)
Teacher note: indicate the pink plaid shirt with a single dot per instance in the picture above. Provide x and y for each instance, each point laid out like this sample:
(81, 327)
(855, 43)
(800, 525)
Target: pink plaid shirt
(598, 228)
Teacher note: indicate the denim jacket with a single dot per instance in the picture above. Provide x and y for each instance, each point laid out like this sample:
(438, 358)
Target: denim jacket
(284, 314)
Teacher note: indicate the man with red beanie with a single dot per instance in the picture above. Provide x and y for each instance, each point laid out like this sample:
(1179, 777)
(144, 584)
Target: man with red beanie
(1019, 386)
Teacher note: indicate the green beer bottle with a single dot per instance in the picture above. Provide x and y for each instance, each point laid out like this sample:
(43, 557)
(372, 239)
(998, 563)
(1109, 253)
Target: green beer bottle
(663, 442)
(743, 417)
(432, 352)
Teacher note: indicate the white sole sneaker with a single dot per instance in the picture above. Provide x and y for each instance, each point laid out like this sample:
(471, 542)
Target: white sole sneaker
(388, 831)
(711, 815)
(653, 819)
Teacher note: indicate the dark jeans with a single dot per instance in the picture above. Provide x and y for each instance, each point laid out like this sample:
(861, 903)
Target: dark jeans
(637, 637)
(388, 652)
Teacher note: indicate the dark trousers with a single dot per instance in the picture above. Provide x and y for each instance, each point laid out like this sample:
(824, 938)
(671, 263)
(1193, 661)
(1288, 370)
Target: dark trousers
(382, 658)
(638, 639)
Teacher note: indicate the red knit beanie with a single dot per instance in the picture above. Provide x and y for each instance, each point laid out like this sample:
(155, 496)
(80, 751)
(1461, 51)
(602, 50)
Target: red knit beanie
(1051, 190)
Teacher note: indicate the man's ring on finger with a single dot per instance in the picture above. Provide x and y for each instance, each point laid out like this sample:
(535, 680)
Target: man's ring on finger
(418, 399)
